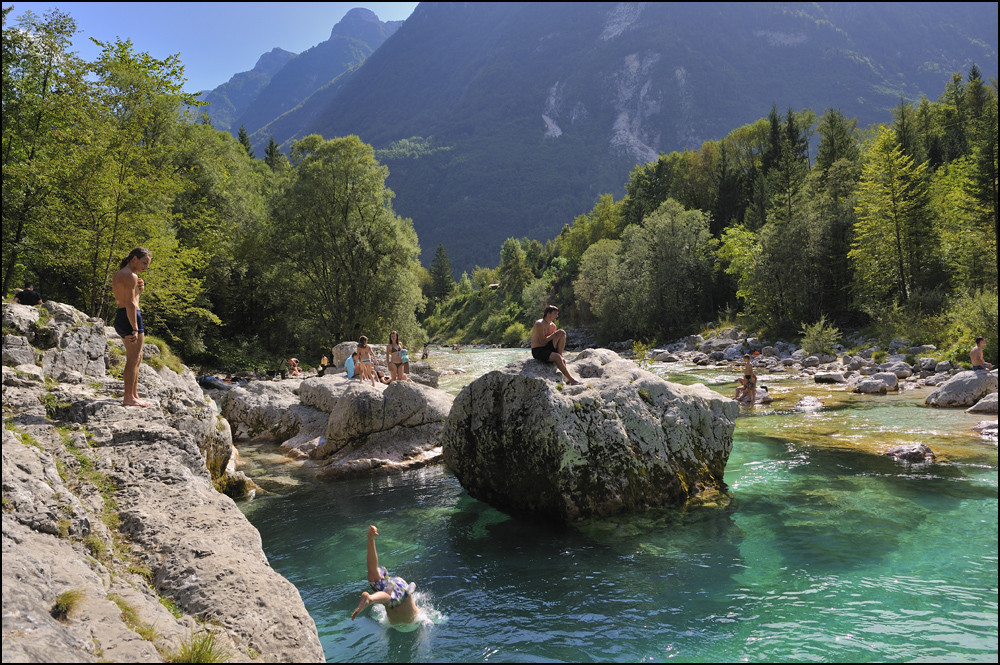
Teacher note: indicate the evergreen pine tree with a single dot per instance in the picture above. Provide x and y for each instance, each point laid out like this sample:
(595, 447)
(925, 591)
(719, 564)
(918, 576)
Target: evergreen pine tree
(442, 282)
(272, 155)
(245, 141)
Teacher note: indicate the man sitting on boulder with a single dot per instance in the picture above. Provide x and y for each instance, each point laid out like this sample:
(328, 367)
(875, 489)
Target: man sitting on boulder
(976, 356)
(547, 343)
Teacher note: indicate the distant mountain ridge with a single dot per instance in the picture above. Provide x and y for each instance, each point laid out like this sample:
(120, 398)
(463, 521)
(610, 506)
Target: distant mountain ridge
(228, 101)
(527, 112)
(281, 80)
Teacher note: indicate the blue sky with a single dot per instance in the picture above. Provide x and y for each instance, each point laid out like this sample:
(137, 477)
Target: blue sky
(215, 39)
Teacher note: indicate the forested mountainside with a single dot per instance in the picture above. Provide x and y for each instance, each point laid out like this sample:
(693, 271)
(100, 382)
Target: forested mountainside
(508, 119)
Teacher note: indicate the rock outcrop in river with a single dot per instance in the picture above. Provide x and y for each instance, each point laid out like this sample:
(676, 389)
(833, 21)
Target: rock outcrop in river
(348, 426)
(117, 546)
(624, 441)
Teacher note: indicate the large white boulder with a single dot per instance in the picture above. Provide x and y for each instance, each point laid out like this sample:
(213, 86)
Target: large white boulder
(964, 389)
(623, 441)
(377, 429)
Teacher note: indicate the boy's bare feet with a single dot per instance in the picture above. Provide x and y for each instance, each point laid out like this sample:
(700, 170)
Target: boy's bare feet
(366, 600)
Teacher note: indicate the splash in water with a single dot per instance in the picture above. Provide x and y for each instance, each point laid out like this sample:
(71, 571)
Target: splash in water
(426, 618)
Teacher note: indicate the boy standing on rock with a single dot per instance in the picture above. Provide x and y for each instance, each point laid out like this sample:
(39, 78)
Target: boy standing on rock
(127, 287)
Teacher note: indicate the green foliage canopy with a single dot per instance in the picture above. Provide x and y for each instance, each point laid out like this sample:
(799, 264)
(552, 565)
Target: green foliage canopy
(351, 261)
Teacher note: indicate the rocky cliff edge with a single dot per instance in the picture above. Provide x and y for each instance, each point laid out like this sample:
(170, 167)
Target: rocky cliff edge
(117, 544)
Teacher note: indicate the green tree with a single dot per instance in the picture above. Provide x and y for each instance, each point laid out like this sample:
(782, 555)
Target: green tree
(838, 140)
(244, 140)
(905, 128)
(605, 221)
(464, 286)
(442, 282)
(107, 159)
(514, 271)
(968, 242)
(664, 275)
(45, 99)
(273, 156)
(597, 271)
(222, 211)
(891, 236)
(829, 216)
(348, 263)
(954, 118)
(982, 102)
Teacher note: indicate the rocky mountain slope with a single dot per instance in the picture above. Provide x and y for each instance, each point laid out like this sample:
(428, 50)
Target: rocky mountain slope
(117, 544)
(280, 81)
(228, 102)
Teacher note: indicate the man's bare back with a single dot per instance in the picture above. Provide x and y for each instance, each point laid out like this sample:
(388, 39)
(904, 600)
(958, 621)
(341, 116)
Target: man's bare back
(976, 355)
(541, 333)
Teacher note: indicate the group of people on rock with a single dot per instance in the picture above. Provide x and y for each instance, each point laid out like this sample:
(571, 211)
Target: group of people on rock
(547, 342)
(363, 364)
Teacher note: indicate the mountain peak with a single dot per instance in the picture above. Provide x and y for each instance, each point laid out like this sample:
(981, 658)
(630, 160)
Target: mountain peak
(272, 61)
(356, 22)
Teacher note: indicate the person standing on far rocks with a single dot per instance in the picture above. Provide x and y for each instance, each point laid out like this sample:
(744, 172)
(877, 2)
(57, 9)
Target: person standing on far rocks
(396, 358)
(548, 343)
(127, 286)
(748, 384)
(976, 356)
(365, 365)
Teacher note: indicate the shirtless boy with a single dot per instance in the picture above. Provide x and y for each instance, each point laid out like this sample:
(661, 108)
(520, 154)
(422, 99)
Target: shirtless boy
(976, 355)
(127, 286)
(392, 592)
(548, 343)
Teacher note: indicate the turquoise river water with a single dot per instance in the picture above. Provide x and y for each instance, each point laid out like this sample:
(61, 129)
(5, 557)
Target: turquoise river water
(831, 552)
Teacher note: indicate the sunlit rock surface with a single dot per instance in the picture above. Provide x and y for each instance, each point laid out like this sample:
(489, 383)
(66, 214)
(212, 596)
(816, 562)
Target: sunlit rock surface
(624, 441)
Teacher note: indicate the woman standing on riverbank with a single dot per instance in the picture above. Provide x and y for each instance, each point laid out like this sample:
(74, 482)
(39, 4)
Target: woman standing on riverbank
(394, 358)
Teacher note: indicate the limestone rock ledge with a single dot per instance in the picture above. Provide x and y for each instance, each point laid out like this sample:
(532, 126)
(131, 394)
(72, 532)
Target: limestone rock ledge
(624, 441)
(347, 427)
(117, 505)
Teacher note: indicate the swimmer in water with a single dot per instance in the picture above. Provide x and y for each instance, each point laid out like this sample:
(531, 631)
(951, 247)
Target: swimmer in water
(393, 592)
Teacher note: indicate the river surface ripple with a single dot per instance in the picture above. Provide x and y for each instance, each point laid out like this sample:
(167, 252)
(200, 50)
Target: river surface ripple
(832, 554)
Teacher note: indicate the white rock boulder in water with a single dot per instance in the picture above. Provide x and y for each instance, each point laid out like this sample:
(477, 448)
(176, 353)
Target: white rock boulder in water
(377, 428)
(624, 441)
(987, 404)
(964, 389)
